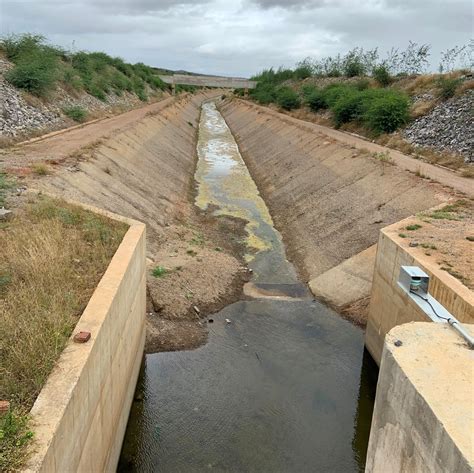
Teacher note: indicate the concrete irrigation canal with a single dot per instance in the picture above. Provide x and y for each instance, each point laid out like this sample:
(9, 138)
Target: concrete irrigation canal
(283, 383)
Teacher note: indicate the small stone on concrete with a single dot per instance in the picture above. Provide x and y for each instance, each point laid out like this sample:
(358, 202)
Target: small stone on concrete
(82, 337)
(228, 321)
(398, 343)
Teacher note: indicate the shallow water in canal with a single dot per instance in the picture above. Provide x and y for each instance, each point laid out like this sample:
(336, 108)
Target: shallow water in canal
(285, 387)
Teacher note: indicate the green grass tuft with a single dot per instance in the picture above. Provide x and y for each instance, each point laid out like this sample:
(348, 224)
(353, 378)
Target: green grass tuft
(78, 114)
(159, 271)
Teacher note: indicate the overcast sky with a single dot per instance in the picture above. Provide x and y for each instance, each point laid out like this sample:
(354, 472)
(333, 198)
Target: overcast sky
(239, 37)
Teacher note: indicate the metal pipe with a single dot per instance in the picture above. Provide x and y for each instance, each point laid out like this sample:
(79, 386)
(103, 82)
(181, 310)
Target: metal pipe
(462, 331)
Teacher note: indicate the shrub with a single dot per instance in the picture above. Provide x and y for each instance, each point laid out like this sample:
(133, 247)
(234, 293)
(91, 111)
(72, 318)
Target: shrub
(354, 68)
(72, 79)
(38, 66)
(16, 46)
(141, 94)
(264, 93)
(308, 89)
(447, 87)
(287, 98)
(316, 100)
(78, 114)
(97, 92)
(333, 92)
(349, 107)
(303, 72)
(35, 75)
(382, 75)
(386, 113)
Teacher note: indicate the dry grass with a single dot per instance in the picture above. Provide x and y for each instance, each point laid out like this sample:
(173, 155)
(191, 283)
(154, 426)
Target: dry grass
(465, 86)
(40, 169)
(86, 152)
(446, 159)
(51, 258)
(422, 107)
(6, 141)
(468, 171)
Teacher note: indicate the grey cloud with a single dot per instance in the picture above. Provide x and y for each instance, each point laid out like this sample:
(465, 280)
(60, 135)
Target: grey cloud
(293, 3)
(238, 37)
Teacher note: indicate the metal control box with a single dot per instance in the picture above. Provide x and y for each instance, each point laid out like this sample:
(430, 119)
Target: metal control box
(414, 279)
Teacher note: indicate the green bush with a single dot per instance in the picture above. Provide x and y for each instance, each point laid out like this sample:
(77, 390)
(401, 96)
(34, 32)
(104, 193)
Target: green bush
(72, 79)
(141, 94)
(316, 100)
(96, 92)
(39, 66)
(349, 106)
(303, 72)
(382, 75)
(78, 114)
(354, 68)
(307, 90)
(387, 113)
(287, 98)
(447, 87)
(17, 46)
(333, 92)
(264, 93)
(36, 75)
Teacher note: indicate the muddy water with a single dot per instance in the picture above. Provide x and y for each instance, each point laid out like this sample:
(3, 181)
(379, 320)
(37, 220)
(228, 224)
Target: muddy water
(284, 387)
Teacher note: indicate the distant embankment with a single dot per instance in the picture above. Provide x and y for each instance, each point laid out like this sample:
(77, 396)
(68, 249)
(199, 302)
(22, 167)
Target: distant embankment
(209, 81)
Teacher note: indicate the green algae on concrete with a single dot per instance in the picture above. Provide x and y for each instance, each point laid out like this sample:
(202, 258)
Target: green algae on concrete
(225, 182)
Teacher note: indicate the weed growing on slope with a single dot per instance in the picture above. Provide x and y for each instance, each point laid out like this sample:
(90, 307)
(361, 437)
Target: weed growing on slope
(413, 227)
(78, 114)
(40, 169)
(159, 271)
(5, 184)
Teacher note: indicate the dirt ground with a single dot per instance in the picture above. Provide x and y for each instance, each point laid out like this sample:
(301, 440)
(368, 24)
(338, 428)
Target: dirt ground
(198, 270)
(446, 236)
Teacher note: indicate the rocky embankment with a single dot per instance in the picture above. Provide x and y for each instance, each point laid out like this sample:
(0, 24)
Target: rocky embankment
(23, 115)
(448, 127)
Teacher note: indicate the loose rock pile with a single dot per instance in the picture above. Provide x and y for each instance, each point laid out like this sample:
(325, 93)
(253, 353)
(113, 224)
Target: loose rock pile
(18, 118)
(448, 127)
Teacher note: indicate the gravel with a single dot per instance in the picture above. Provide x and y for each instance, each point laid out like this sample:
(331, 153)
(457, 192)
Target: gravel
(448, 127)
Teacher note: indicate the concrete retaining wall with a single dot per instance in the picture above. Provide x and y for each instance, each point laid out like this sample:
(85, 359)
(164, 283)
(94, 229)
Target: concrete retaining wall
(423, 418)
(80, 416)
(391, 306)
